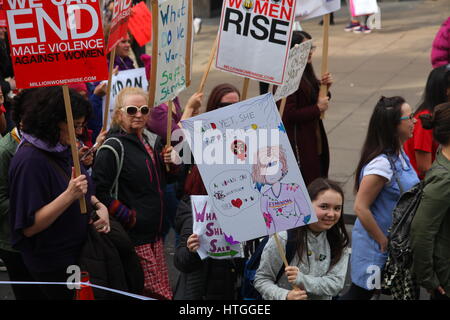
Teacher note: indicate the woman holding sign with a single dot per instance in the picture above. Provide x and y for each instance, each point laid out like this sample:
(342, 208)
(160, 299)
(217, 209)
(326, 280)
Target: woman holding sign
(47, 226)
(302, 119)
(319, 266)
(130, 176)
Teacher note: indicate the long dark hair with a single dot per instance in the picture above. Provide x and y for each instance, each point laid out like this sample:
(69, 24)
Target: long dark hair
(382, 134)
(436, 89)
(439, 122)
(337, 236)
(309, 76)
(217, 94)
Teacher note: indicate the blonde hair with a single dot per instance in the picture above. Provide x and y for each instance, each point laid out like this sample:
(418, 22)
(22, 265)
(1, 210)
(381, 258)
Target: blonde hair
(270, 152)
(119, 102)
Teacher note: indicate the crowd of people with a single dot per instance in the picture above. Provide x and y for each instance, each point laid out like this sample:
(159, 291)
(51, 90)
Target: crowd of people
(132, 186)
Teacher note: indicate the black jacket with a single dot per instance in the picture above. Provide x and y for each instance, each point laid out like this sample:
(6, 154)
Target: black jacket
(141, 183)
(111, 262)
(207, 279)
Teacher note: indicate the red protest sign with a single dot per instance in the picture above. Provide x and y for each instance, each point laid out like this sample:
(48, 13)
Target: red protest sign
(2, 15)
(140, 24)
(56, 42)
(119, 22)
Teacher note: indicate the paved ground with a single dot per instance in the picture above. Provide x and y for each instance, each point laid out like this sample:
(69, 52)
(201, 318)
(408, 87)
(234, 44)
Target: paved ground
(390, 61)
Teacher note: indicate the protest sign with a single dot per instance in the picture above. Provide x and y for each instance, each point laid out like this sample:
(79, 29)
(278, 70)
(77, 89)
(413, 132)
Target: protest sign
(298, 59)
(171, 64)
(213, 242)
(124, 79)
(3, 22)
(259, 183)
(140, 24)
(308, 9)
(119, 22)
(55, 43)
(254, 38)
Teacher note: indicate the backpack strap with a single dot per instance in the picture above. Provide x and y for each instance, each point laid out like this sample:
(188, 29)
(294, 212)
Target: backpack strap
(119, 162)
(394, 170)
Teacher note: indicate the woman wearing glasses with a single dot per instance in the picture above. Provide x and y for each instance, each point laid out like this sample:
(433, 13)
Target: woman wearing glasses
(383, 174)
(302, 121)
(129, 172)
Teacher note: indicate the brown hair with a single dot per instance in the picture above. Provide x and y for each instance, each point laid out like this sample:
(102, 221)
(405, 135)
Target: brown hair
(439, 122)
(217, 94)
(337, 236)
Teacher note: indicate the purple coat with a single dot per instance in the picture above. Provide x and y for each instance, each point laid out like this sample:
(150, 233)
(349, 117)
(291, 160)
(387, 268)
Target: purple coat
(440, 52)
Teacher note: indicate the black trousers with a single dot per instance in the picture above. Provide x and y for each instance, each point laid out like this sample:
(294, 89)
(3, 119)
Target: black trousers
(17, 271)
(51, 291)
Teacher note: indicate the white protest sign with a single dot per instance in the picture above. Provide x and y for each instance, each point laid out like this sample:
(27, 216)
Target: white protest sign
(258, 189)
(172, 41)
(127, 78)
(298, 59)
(213, 242)
(254, 38)
(308, 9)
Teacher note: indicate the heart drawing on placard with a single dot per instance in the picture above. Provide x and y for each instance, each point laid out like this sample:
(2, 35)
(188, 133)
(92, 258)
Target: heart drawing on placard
(236, 203)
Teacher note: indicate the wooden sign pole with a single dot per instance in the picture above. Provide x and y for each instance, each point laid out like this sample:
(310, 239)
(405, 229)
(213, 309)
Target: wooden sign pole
(245, 89)
(282, 106)
(73, 141)
(326, 28)
(155, 40)
(208, 67)
(112, 57)
(189, 43)
(169, 127)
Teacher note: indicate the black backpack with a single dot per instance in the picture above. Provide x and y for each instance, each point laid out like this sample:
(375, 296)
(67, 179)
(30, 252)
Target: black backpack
(397, 274)
(248, 291)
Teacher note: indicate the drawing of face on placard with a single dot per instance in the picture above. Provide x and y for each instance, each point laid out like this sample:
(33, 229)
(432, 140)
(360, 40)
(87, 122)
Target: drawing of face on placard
(233, 192)
(283, 205)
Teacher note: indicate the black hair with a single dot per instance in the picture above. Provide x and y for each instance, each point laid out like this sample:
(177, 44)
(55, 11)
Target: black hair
(309, 76)
(439, 122)
(436, 89)
(337, 235)
(46, 110)
(382, 134)
(20, 103)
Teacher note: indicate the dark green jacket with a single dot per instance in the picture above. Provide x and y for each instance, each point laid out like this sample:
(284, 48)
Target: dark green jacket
(8, 147)
(430, 229)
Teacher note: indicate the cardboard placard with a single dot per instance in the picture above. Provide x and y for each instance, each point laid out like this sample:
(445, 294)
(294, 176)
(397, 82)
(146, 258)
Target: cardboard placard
(298, 59)
(213, 242)
(173, 44)
(119, 22)
(140, 24)
(259, 183)
(254, 38)
(53, 43)
(308, 9)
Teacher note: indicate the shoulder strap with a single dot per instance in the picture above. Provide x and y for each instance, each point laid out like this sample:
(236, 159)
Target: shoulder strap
(119, 162)
(394, 170)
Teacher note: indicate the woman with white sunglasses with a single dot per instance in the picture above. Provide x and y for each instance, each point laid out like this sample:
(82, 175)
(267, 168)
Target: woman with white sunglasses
(130, 175)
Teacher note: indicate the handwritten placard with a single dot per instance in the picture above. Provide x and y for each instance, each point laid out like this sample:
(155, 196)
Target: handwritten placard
(258, 189)
(298, 59)
(172, 42)
(308, 9)
(214, 243)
